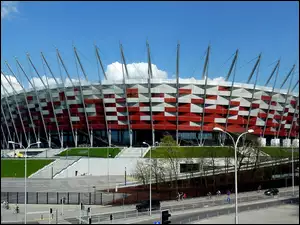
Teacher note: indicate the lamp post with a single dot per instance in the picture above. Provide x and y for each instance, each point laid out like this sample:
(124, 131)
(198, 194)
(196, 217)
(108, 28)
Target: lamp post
(25, 194)
(235, 165)
(293, 184)
(150, 193)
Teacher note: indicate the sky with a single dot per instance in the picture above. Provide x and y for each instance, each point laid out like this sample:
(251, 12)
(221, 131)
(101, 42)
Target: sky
(270, 28)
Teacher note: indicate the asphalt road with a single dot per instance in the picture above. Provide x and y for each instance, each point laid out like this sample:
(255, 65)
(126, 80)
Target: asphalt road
(177, 207)
(188, 217)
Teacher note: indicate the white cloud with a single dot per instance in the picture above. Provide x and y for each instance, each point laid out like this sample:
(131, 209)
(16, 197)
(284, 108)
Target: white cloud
(8, 8)
(135, 71)
(6, 84)
(38, 83)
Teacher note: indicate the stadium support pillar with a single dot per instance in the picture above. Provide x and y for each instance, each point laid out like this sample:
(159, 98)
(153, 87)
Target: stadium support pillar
(62, 139)
(39, 135)
(49, 141)
(262, 141)
(76, 138)
(153, 137)
(91, 138)
(286, 143)
(275, 142)
(130, 137)
(29, 138)
(295, 143)
(109, 138)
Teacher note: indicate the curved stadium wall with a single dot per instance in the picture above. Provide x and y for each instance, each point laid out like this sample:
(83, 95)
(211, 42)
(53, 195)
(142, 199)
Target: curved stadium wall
(200, 108)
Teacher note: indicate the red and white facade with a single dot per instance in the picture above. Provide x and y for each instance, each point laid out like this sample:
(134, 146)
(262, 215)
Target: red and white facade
(133, 109)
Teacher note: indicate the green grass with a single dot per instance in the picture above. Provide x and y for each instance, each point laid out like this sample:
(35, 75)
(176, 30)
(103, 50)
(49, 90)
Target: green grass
(15, 167)
(93, 152)
(279, 152)
(191, 152)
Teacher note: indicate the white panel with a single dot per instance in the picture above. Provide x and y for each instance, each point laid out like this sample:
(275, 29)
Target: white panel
(132, 99)
(70, 93)
(224, 93)
(122, 122)
(154, 99)
(158, 108)
(111, 109)
(196, 108)
(220, 120)
(222, 101)
(145, 117)
(87, 92)
(112, 118)
(210, 101)
(193, 124)
(58, 111)
(45, 112)
(197, 90)
(170, 113)
(43, 104)
(90, 110)
(75, 118)
(121, 113)
(109, 100)
(243, 113)
(55, 94)
(145, 109)
(233, 117)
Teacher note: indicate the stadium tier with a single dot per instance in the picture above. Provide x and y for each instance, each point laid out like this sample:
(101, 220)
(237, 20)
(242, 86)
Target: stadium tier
(130, 111)
(200, 108)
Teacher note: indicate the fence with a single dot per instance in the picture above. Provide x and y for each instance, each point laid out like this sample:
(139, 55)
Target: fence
(182, 206)
(88, 198)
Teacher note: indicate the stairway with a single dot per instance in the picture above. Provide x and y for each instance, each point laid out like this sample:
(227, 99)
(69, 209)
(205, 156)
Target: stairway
(58, 165)
(132, 152)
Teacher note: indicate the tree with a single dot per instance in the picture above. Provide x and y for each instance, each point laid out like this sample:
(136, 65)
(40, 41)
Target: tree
(142, 172)
(172, 153)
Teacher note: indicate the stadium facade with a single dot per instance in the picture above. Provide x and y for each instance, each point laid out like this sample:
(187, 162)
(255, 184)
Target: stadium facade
(130, 111)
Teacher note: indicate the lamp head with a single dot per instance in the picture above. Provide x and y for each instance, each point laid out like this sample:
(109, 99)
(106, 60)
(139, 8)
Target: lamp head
(38, 142)
(217, 129)
(11, 142)
(250, 131)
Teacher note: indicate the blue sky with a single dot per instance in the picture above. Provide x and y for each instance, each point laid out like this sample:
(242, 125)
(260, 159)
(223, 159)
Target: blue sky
(253, 27)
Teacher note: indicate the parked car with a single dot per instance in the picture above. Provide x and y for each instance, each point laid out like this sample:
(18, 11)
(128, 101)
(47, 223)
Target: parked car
(272, 191)
(145, 205)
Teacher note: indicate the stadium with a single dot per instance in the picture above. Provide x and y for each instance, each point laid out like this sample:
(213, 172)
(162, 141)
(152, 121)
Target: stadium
(129, 111)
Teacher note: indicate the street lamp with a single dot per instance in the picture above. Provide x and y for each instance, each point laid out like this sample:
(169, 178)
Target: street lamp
(150, 194)
(235, 165)
(25, 196)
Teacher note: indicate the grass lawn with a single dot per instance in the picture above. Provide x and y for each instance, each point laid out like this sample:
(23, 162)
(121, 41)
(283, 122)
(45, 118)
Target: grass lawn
(15, 167)
(94, 152)
(192, 152)
(278, 152)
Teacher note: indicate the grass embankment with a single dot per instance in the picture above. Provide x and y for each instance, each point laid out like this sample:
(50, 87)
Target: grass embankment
(191, 152)
(92, 152)
(16, 167)
(279, 152)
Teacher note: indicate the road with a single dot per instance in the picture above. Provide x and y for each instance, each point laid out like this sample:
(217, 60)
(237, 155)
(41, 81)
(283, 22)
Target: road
(187, 217)
(101, 213)
(283, 214)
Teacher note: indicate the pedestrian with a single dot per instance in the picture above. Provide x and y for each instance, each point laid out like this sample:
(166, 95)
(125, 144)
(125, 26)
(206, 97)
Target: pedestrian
(259, 188)
(184, 195)
(178, 196)
(228, 196)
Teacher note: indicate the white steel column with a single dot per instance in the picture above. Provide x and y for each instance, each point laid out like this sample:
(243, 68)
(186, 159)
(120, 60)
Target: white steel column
(76, 138)
(92, 138)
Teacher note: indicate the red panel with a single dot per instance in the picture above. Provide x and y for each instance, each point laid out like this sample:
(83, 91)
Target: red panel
(266, 98)
(109, 95)
(183, 109)
(185, 91)
(170, 118)
(234, 103)
(29, 98)
(135, 117)
(170, 100)
(157, 95)
(120, 100)
(158, 117)
(255, 105)
(262, 115)
(212, 97)
(277, 117)
(197, 101)
(132, 90)
(133, 109)
(170, 109)
(121, 109)
(220, 88)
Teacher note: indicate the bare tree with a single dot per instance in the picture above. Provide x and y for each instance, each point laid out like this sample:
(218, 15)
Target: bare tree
(142, 172)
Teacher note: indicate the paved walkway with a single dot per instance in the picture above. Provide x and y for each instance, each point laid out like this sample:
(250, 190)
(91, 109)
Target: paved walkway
(284, 214)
